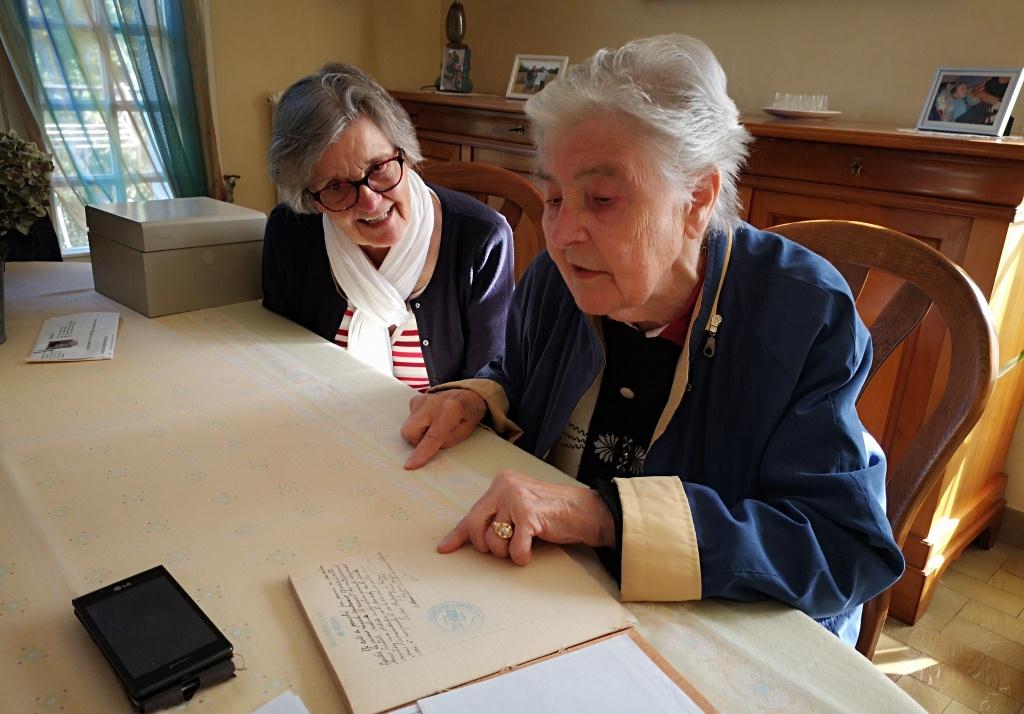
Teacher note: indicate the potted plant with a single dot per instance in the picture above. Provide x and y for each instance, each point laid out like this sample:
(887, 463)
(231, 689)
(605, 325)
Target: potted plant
(24, 195)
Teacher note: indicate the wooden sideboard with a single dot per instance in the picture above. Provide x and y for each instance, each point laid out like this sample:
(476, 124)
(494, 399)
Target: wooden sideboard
(963, 196)
(471, 128)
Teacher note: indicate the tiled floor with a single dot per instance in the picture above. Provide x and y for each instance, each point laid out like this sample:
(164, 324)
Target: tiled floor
(967, 653)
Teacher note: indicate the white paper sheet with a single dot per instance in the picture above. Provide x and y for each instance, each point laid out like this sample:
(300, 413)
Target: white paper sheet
(609, 677)
(285, 703)
(78, 337)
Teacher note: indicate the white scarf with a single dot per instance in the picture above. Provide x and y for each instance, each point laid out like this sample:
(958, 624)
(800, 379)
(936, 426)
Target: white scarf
(377, 297)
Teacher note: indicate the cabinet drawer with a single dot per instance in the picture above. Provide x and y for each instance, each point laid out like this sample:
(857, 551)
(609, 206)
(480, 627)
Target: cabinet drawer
(949, 234)
(513, 161)
(470, 122)
(439, 150)
(909, 172)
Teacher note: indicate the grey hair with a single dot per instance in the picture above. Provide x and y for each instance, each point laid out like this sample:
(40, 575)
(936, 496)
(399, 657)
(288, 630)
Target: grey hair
(314, 112)
(673, 90)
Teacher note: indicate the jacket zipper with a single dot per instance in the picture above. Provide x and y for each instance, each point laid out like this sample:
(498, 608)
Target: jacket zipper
(711, 329)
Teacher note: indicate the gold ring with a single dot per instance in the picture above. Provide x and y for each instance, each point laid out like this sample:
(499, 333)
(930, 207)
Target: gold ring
(503, 530)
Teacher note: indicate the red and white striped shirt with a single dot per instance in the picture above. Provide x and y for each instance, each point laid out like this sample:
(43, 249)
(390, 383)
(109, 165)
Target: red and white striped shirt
(406, 356)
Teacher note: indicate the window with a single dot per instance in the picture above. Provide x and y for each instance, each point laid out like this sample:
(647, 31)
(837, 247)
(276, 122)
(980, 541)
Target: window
(91, 61)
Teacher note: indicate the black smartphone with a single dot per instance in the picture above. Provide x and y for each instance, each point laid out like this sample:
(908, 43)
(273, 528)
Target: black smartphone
(161, 645)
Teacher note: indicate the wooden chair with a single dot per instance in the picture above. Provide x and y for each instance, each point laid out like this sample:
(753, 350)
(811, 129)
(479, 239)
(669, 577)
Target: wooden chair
(929, 279)
(520, 201)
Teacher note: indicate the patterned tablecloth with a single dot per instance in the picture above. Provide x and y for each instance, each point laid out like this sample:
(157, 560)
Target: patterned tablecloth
(232, 445)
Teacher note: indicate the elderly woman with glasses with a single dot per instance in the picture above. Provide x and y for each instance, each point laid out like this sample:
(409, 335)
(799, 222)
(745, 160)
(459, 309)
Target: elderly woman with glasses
(413, 279)
(697, 375)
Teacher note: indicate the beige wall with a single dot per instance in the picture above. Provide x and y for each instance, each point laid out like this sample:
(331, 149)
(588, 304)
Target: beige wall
(262, 46)
(875, 58)
(259, 48)
(407, 36)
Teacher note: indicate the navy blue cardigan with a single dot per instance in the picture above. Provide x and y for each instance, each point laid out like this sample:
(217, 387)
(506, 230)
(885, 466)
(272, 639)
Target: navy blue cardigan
(460, 314)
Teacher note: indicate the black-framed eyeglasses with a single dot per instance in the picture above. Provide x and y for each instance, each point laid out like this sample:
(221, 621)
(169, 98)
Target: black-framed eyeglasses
(342, 195)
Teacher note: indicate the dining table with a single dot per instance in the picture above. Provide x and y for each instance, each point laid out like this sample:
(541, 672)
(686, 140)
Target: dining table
(233, 446)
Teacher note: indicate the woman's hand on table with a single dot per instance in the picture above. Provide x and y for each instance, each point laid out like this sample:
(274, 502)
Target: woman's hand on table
(536, 509)
(439, 420)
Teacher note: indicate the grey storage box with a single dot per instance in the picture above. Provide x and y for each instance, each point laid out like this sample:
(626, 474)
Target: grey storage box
(165, 257)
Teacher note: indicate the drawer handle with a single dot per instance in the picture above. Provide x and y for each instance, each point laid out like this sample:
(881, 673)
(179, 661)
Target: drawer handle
(518, 129)
(856, 167)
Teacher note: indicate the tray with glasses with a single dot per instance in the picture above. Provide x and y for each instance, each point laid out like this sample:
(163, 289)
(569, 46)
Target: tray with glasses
(800, 106)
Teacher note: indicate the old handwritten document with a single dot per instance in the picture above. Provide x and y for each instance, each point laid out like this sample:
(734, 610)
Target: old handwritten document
(399, 626)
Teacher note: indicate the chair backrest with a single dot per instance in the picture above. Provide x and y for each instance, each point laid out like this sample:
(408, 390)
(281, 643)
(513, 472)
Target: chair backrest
(520, 201)
(929, 279)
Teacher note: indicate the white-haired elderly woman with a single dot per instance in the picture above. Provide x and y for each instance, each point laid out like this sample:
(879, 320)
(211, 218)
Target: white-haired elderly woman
(413, 279)
(698, 375)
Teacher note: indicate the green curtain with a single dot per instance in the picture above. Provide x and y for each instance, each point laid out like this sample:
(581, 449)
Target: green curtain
(174, 122)
(111, 84)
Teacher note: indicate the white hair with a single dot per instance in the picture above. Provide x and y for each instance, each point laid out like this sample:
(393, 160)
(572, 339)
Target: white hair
(673, 90)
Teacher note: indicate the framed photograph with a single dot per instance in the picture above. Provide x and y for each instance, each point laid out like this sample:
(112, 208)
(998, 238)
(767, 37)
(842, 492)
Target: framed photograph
(455, 70)
(530, 73)
(971, 100)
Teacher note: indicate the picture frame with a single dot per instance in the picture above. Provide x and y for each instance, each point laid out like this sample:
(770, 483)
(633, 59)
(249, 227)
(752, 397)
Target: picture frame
(971, 100)
(455, 69)
(530, 74)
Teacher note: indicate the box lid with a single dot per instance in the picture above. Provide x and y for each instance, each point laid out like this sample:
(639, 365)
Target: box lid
(150, 226)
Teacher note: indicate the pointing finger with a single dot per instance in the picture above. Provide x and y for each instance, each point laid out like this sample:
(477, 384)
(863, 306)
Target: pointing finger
(429, 445)
(454, 540)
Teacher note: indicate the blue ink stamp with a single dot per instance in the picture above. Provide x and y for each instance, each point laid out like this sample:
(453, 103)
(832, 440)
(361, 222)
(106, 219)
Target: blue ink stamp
(455, 618)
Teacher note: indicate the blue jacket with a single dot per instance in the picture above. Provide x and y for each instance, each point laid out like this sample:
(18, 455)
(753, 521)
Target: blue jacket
(461, 313)
(785, 488)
